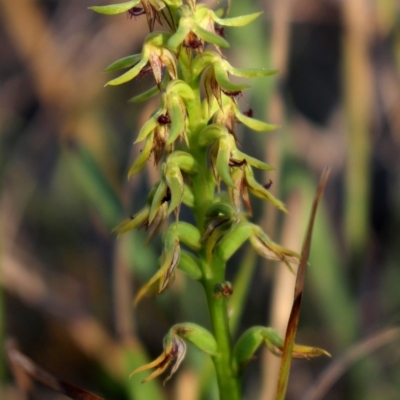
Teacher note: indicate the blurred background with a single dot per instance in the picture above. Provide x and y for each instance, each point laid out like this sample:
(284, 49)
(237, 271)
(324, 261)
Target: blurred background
(66, 144)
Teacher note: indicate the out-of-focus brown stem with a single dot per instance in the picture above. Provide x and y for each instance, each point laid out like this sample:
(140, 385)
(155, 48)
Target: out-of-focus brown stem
(357, 84)
(280, 31)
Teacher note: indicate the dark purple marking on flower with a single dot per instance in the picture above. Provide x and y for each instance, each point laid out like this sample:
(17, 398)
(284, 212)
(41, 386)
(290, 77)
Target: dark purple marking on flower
(268, 185)
(193, 42)
(249, 113)
(237, 163)
(220, 31)
(135, 12)
(164, 119)
(234, 93)
(167, 197)
(132, 216)
(145, 71)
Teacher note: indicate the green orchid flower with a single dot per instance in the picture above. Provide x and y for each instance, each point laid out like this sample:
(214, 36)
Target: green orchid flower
(265, 247)
(175, 349)
(141, 218)
(171, 187)
(173, 354)
(254, 337)
(224, 157)
(220, 218)
(207, 17)
(191, 34)
(229, 115)
(177, 233)
(164, 128)
(155, 10)
(216, 76)
(154, 53)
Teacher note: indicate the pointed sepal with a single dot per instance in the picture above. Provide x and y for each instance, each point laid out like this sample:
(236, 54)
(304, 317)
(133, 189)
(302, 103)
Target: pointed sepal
(114, 9)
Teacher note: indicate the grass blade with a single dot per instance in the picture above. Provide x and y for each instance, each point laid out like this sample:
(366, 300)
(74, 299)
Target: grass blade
(298, 291)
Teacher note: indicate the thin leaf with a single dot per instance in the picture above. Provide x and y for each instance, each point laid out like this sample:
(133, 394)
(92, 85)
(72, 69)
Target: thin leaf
(129, 75)
(298, 291)
(122, 63)
(210, 37)
(255, 124)
(250, 72)
(237, 21)
(221, 76)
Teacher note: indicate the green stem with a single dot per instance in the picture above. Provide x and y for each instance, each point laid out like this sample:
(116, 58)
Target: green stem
(214, 273)
(228, 382)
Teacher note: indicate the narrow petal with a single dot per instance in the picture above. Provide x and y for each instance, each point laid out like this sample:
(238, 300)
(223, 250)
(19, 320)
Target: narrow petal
(260, 191)
(210, 37)
(222, 161)
(148, 127)
(142, 158)
(179, 351)
(169, 266)
(127, 76)
(113, 9)
(136, 221)
(254, 124)
(254, 162)
(159, 360)
(249, 72)
(237, 176)
(270, 250)
(221, 76)
(157, 222)
(174, 180)
(122, 63)
(177, 113)
(146, 288)
(236, 21)
(169, 61)
(156, 65)
(159, 198)
(152, 91)
(179, 36)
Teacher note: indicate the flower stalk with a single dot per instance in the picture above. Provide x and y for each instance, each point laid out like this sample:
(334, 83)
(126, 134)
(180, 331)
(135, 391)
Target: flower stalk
(191, 137)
